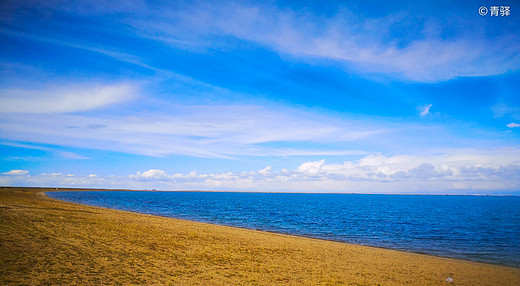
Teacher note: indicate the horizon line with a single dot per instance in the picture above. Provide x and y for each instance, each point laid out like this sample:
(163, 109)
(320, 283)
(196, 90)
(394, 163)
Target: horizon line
(50, 189)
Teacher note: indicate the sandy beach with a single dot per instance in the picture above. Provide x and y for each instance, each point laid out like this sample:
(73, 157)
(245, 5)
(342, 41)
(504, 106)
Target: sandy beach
(49, 242)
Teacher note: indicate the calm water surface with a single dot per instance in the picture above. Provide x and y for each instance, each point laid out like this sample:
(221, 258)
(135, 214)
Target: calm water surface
(479, 228)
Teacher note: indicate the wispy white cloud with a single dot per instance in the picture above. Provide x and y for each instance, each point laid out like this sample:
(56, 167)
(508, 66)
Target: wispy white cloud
(72, 156)
(502, 110)
(425, 110)
(360, 43)
(455, 171)
(16, 173)
(203, 131)
(70, 98)
(54, 150)
(513, 125)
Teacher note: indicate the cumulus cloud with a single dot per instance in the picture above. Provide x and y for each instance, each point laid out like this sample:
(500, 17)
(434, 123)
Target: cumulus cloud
(265, 171)
(476, 169)
(454, 171)
(71, 98)
(152, 174)
(513, 125)
(311, 169)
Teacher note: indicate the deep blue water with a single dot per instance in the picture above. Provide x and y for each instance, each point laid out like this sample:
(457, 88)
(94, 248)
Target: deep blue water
(478, 228)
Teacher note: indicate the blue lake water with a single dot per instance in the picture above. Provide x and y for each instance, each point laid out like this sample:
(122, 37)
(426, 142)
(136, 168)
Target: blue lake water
(478, 228)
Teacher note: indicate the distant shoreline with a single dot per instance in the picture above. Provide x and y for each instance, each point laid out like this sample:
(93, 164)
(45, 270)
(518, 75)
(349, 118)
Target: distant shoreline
(51, 189)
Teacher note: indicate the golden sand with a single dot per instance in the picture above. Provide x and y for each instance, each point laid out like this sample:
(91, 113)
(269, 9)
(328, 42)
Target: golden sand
(49, 242)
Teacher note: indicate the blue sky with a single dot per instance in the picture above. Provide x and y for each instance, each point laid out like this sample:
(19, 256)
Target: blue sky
(342, 96)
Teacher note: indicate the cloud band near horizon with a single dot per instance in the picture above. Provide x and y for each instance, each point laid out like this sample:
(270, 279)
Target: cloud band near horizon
(470, 171)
